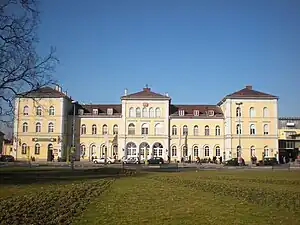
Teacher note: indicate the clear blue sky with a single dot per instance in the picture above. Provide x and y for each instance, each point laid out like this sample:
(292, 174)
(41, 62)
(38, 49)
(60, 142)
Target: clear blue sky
(198, 51)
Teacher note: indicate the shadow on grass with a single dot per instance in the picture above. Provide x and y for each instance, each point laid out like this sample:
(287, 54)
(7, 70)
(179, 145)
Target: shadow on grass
(49, 176)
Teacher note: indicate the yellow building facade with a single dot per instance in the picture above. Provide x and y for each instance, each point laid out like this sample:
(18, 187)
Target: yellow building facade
(146, 124)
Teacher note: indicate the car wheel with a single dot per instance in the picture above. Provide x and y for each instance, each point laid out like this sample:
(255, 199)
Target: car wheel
(95, 162)
(109, 162)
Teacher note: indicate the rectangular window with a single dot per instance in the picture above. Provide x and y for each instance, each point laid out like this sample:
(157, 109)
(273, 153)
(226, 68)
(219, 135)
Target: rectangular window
(155, 152)
(109, 111)
(95, 111)
(160, 152)
(211, 113)
(174, 131)
(181, 112)
(144, 130)
(196, 112)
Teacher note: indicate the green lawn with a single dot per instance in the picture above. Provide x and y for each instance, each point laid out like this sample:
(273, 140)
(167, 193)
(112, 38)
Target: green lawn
(203, 197)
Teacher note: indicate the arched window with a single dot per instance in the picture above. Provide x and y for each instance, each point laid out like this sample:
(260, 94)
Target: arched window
(174, 151)
(206, 130)
(266, 129)
(131, 148)
(93, 150)
(51, 111)
(37, 149)
(157, 129)
(206, 151)
(25, 110)
(131, 129)
(238, 129)
(218, 131)
(252, 151)
(115, 150)
(184, 151)
(238, 112)
(103, 151)
(218, 151)
(265, 112)
(252, 129)
(157, 148)
(25, 127)
(38, 127)
(238, 151)
(94, 129)
(174, 130)
(24, 149)
(145, 112)
(196, 130)
(138, 112)
(196, 151)
(83, 129)
(50, 127)
(185, 130)
(145, 128)
(252, 112)
(104, 129)
(151, 112)
(39, 111)
(157, 112)
(131, 112)
(82, 150)
(115, 129)
(266, 151)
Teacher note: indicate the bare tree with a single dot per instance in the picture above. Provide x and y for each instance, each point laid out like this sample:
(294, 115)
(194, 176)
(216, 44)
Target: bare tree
(22, 69)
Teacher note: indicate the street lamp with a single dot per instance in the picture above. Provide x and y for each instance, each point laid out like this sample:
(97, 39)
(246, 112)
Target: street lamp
(73, 134)
(240, 128)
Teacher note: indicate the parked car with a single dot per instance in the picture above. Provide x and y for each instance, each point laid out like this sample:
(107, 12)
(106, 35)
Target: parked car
(156, 160)
(131, 160)
(234, 162)
(7, 158)
(268, 161)
(109, 160)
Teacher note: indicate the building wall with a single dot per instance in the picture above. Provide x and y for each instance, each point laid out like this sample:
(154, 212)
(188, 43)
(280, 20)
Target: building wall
(197, 140)
(259, 141)
(44, 138)
(226, 142)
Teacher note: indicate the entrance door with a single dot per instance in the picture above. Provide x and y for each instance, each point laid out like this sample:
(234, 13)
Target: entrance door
(50, 152)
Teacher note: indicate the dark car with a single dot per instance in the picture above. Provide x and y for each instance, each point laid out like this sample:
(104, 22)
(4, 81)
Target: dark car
(270, 161)
(156, 160)
(7, 158)
(234, 162)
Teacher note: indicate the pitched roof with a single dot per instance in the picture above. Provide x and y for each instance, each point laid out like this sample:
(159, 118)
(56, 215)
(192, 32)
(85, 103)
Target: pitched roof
(102, 108)
(247, 93)
(146, 93)
(189, 110)
(44, 92)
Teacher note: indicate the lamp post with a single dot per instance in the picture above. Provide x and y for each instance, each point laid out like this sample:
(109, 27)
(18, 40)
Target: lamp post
(73, 135)
(240, 128)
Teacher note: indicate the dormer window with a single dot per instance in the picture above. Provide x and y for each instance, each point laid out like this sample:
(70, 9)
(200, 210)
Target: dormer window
(211, 113)
(196, 112)
(109, 111)
(181, 112)
(95, 111)
(80, 111)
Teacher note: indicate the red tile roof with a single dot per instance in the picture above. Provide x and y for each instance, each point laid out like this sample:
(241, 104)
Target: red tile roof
(44, 92)
(146, 93)
(247, 93)
(189, 110)
(102, 108)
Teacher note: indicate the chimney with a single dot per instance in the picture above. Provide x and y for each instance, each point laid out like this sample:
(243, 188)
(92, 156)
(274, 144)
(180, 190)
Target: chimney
(57, 87)
(125, 92)
(167, 94)
(249, 87)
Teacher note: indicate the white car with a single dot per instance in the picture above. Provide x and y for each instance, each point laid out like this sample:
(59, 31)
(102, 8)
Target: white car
(109, 160)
